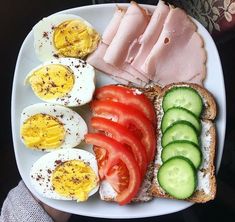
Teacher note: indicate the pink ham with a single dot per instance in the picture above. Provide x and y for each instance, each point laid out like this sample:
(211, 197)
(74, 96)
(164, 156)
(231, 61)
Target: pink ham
(128, 68)
(111, 30)
(108, 36)
(120, 80)
(132, 25)
(165, 49)
(178, 55)
(121, 74)
(96, 60)
(150, 35)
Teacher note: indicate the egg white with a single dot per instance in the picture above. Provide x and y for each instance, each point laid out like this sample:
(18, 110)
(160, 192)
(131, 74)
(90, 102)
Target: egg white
(74, 125)
(43, 34)
(41, 171)
(84, 82)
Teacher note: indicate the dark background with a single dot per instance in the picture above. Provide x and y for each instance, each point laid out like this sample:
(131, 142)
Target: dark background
(17, 19)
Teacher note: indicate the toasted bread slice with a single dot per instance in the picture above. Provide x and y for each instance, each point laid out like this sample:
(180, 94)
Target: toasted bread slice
(206, 188)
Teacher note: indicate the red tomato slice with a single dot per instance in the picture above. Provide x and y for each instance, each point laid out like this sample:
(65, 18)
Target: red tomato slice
(129, 97)
(101, 157)
(125, 137)
(118, 153)
(131, 118)
(117, 176)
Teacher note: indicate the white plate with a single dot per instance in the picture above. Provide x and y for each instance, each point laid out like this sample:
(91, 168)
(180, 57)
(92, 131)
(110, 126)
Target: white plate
(22, 96)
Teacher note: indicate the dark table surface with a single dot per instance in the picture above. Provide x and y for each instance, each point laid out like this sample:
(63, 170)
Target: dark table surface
(17, 19)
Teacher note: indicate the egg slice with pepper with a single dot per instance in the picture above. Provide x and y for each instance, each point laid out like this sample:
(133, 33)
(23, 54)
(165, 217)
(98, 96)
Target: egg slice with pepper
(47, 127)
(70, 174)
(64, 35)
(64, 81)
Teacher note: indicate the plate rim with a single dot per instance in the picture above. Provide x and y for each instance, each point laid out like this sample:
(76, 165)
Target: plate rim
(13, 108)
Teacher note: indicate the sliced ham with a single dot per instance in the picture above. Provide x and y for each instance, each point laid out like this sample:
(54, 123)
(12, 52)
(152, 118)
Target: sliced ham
(178, 55)
(128, 68)
(111, 30)
(120, 80)
(164, 49)
(96, 60)
(121, 74)
(132, 25)
(150, 35)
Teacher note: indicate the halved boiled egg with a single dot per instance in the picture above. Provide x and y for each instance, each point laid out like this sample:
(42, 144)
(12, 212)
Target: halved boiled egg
(47, 127)
(64, 81)
(64, 35)
(70, 174)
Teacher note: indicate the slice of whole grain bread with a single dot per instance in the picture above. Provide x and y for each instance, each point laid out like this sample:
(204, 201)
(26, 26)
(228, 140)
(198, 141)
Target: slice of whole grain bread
(206, 188)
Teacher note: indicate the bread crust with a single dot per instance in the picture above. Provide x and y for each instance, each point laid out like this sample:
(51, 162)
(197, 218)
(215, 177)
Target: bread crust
(210, 110)
(155, 94)
(209, 114)
(199, 196)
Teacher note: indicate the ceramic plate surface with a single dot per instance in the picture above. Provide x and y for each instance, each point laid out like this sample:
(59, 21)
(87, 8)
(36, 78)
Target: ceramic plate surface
(22, 96)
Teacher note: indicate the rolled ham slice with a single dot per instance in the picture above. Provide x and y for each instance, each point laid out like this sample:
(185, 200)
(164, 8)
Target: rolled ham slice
(150, 35)
(126, 73)
(164, 49)
(178, 55)
(132, 26)
(111, 30)
(96, 60)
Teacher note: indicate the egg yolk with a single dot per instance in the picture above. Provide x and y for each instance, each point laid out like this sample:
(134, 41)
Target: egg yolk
(74, 179)
(75, 39)
(42, 131)
(52, 81)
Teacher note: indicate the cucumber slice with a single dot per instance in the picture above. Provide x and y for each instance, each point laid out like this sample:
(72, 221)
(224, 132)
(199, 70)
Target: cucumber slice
(183, 148)
(177, 177)
(177, 113)
(181, 130)
(185, 97)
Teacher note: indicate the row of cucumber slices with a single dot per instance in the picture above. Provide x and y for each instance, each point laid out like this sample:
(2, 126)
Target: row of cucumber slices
(181, 154)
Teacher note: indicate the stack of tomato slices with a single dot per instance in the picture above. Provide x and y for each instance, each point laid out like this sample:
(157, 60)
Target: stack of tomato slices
(125, 140)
